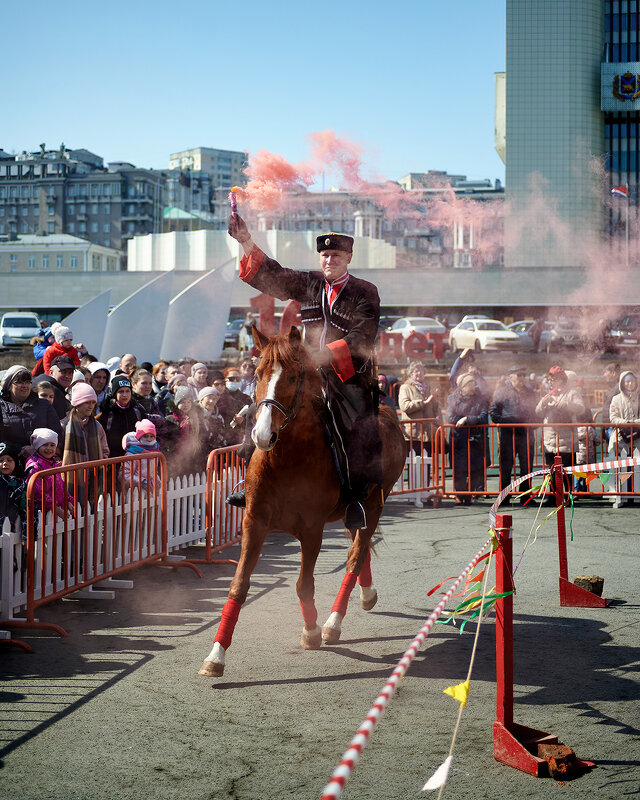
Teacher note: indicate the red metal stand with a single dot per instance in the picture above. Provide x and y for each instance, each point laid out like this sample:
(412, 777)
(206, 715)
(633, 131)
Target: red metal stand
(570, 593)
(514, 745)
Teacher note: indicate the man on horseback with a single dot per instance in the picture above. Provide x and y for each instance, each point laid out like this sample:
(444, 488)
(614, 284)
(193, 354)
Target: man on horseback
(340, 315)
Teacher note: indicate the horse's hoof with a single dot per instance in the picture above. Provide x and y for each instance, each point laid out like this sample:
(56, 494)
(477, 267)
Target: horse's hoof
(368, 597)
(331, 630)
(311, 640)
(211, 669)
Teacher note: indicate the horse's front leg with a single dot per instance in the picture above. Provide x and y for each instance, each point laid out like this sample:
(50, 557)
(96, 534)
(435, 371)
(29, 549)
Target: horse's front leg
(253, 536)
(310, 543)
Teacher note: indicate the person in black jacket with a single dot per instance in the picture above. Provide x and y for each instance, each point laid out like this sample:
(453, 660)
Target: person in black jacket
(513, 401)
(340, 315)
(467, 409)
(119, 413)
(21, 410)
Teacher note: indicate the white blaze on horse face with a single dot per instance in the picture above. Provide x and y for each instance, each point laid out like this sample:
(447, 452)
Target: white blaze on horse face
(262, 433)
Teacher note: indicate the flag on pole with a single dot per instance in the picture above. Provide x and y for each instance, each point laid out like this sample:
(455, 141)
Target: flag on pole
(620, 191)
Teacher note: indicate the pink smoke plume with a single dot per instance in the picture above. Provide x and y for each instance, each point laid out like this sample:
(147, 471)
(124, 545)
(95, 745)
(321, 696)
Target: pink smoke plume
(272, 178)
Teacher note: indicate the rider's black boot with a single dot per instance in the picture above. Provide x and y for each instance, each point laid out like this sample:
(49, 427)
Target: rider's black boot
(355, 516)
(237, 499)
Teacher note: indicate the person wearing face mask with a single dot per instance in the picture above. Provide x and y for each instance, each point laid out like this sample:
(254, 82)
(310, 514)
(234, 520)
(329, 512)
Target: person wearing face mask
(119, 413)
(625, 436)
(514, 402)
(232, 400)
(467, 409)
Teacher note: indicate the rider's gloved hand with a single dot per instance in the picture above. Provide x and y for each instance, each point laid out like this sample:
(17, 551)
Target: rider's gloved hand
(238, 229)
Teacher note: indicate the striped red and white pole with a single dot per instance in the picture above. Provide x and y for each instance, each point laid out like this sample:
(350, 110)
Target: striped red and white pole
(347, 764)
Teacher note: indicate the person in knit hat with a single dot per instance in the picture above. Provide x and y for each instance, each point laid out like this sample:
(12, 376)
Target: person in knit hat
(99, 379)
(467, 410)
(50, 492)
(199, 377)
(119, 413)
(214, 430)
(63, 346)
(166, 400)
(21, 410)
(84, 438)
(186, 419)
(13, 489)
(141, 473)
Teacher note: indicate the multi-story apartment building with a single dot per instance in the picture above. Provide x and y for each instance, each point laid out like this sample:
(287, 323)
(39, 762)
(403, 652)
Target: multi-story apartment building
(195, 175)
(71, 191)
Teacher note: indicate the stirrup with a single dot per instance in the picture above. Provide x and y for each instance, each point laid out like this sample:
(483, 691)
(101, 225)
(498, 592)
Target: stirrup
(355, 516)
(237, 499)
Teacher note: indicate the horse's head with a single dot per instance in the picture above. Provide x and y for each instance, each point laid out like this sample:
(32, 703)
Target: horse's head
(280, 384)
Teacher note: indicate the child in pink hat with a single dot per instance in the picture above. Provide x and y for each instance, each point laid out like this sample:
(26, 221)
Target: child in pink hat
(140, 473)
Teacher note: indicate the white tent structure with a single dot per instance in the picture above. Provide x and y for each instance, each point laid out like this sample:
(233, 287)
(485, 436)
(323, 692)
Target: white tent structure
(89, 322)
(197, 318)
(137, 324)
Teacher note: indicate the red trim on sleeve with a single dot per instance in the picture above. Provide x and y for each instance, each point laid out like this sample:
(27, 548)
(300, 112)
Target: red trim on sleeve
(249, 265)
(341, 360)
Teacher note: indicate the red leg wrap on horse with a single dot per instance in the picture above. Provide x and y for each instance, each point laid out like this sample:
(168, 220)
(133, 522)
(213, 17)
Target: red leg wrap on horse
(364, 578)
(340, 604)
(227, 624)
(309, 613)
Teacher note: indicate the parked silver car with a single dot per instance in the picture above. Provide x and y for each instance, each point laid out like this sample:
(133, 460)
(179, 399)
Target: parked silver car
(18, 327)
(523, 328)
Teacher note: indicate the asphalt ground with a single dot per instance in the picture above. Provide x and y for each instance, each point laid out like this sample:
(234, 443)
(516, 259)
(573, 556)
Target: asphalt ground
(117, 710)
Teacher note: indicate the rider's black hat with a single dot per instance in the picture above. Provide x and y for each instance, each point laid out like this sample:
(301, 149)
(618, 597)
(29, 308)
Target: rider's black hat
(334, 241)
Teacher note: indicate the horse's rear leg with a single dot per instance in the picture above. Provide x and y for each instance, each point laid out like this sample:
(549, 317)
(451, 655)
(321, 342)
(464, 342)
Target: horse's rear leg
(253, 537)
(310, 544)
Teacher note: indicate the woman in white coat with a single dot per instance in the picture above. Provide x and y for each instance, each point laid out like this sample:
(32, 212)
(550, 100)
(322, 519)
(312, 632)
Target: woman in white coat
(625, 438)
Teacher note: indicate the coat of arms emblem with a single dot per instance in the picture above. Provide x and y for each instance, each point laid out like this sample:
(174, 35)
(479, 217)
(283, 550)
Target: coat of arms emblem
(626, 87)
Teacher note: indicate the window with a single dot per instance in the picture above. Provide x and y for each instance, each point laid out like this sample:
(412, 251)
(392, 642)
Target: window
(131, 226)
(13, 257)
(94, 208)
(36, 211)
(13, 210)
(2, 230)
(107, 208)
(106, 228)
(71, 210)
(82, 227)
(45, 262)
(52, 210)
(74, 262)
(24, 228)
(94, 227)
(13, 267)
(25, 211)
(51, 227)
(59, 261)
(25, 191)
(32, 262)
(95, 189)
(106, 243)
(71, 227)
(1, 211)
(82, 209)
(132, 208)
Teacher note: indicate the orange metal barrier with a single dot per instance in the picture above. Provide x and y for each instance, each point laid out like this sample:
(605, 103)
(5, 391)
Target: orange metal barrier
(81, 528)
(223, 523)
(424, 469)
(473, 468)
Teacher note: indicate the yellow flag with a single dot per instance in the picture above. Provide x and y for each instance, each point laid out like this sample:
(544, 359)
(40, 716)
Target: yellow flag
(459, 692)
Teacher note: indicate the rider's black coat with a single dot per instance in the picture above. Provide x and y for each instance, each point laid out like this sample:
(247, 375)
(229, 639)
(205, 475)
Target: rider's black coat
(349, 329)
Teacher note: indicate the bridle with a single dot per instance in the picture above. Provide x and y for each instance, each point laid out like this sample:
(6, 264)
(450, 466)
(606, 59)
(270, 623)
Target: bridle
(289, 413)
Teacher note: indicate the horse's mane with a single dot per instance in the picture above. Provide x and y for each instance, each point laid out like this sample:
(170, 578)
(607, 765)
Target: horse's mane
(280, 350)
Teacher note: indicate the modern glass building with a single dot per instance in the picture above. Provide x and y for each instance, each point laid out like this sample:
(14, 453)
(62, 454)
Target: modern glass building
(572, 128)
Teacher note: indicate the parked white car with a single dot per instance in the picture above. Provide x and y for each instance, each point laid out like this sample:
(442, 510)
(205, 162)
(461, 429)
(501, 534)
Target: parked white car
(409, 325)
(483, 334)
(18, 327)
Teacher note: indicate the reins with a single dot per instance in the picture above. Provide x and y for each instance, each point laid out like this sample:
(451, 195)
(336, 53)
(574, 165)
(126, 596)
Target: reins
(289, 413)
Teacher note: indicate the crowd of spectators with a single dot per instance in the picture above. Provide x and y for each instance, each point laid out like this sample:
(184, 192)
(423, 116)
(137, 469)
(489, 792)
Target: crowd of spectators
(518, 404)
(71, 408)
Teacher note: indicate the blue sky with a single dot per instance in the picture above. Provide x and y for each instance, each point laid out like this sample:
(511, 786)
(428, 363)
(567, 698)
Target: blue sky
(413, 83)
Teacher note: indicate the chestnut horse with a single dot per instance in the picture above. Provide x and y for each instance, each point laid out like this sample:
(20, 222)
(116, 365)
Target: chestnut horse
(292, 485)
